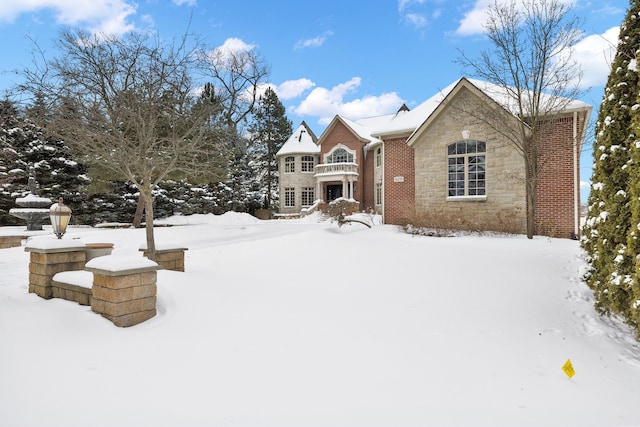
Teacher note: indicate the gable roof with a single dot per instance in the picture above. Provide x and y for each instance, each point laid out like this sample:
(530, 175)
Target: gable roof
(405, 122)
(301, 141)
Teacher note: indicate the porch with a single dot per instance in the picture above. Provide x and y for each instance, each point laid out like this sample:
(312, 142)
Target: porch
(336, 180)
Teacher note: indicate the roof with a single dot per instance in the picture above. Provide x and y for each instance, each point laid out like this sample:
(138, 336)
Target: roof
(301, 141)
(405, 122)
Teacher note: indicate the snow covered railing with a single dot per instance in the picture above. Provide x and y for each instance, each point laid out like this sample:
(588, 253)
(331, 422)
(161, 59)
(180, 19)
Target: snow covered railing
(325, 169)
(311, 209)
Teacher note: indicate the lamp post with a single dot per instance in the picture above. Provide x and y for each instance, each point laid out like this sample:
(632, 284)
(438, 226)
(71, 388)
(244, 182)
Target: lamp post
(60, 215)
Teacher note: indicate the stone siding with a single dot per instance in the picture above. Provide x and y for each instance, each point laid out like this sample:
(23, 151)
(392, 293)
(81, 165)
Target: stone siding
(43, 266)
(504, 207)
(125, 298)
(297, 180)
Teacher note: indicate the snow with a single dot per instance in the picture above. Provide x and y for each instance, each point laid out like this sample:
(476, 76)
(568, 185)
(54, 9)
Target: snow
(372, 128)
(31, 199)
(51, 243)
(300, 142)
(304, 323)
(77, 278)
(122, 262)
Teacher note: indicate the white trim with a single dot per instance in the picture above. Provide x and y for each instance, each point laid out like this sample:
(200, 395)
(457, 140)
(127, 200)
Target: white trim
(345, 148)
(576, 177)
(466, 198)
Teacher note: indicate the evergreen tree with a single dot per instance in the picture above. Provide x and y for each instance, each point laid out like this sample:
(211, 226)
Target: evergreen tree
(608, 238)
(25, 145)
(270, 130)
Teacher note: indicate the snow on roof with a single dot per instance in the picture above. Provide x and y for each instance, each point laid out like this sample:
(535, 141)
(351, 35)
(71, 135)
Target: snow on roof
(302, 140)
(362, 127)
(406, 121)
(502, 95)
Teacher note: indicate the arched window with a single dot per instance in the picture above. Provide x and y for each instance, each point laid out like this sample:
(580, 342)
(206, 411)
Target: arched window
(340, 155)
(467, 168)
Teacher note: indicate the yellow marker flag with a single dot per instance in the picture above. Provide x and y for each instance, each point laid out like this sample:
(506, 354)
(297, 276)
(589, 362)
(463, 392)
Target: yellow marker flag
(568, 368)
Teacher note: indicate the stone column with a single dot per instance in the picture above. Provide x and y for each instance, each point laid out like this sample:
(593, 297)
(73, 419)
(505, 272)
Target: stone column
(124, 290)
(169, 258)
(51, 256)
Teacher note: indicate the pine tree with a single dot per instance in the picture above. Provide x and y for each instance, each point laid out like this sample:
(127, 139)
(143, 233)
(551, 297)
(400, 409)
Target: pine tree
(607, 231)
(270, 130)
(632, 312)
(25, 145)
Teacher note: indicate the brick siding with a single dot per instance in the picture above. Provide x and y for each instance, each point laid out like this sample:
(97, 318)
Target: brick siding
(399, 182)
(555, 203)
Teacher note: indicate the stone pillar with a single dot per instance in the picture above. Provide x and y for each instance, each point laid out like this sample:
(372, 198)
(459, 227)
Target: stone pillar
(169, 258)
(123, 292)
(51, 256)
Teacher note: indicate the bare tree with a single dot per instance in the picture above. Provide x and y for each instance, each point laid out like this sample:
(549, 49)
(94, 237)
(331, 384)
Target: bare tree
(126, 104)
(531, 62)
(236, 74)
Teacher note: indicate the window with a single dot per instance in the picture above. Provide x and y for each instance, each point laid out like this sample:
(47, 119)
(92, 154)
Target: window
(378, 157)
(289, 197)
(289, 164)
(308, 162)
(340, 155)
(378, 200)
(308, 196)
(467, 168)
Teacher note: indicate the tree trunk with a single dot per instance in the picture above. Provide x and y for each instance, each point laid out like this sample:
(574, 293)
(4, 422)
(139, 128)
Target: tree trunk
(151, 244)
(531, 187)
(137, 217)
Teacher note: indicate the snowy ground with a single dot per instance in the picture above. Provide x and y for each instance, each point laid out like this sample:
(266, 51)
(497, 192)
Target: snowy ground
(303, 323)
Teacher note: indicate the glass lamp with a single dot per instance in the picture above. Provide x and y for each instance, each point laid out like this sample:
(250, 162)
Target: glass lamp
(60, 215)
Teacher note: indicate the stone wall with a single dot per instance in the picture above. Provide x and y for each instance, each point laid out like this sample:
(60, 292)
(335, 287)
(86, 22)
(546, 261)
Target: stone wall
(11, 241)
(503, 208)
(124, 297)
(45, 262)
(169, 259)
(297, 180)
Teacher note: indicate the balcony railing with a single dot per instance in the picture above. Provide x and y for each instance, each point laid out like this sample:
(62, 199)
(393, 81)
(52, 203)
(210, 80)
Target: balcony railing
(326, 169)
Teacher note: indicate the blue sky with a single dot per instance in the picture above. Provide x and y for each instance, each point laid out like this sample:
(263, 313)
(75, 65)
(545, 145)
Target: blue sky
(358, 58)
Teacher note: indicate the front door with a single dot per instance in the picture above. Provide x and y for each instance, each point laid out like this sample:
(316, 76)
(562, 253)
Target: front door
(334, 191)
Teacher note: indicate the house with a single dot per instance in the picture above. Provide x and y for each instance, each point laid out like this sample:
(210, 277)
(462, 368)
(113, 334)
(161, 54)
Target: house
(446, 163)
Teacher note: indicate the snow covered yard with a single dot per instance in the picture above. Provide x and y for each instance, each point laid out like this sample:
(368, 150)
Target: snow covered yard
(302, 323)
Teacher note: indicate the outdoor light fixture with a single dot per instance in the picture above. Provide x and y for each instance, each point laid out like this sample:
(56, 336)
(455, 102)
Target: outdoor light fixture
(60, 215)
(465, 134)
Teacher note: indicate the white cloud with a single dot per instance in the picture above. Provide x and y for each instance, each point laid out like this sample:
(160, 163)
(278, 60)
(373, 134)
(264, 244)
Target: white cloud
(412, 13)
(293, 88)
(313, 42)
(417, 20)
(231, 46)
(108, 16)
(473, 21)
(404, 4)
(326, 103)
(595, 54)
(187, 2)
